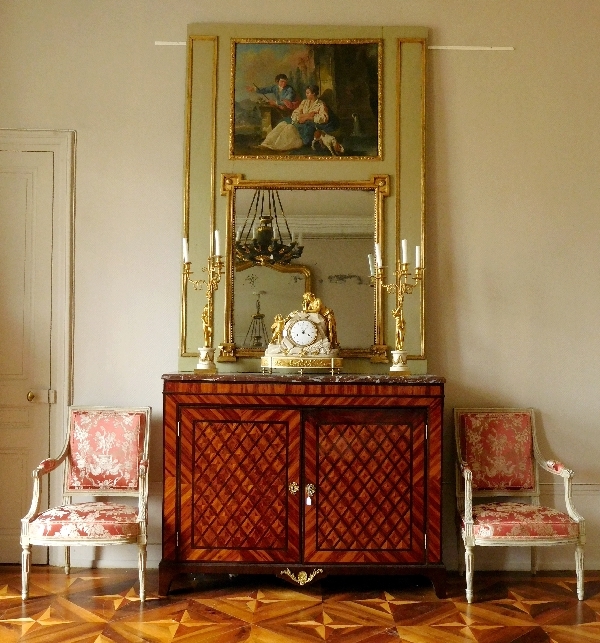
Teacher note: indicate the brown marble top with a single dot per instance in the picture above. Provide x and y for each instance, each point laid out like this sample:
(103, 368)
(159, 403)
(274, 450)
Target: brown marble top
(342, 378)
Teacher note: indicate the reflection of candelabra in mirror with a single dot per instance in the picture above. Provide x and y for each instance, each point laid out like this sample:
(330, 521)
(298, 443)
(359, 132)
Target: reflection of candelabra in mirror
(213, 270)
(402, 287)
(257, 337)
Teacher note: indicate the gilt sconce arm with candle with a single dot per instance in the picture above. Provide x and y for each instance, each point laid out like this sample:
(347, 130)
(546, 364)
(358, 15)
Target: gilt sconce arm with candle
(213, 270)
(401, 287)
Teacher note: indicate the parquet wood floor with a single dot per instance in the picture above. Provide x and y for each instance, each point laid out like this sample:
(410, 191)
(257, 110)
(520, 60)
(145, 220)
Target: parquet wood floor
(102, 606)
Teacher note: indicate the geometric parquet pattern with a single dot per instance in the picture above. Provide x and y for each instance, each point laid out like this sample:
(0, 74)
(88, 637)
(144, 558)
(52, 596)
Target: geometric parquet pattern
(102, 606)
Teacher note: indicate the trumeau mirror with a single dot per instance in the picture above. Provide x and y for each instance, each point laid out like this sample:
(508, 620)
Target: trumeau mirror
(340, 205)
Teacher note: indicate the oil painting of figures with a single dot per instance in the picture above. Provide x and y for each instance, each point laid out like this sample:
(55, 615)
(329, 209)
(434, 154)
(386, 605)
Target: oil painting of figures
(306, 99)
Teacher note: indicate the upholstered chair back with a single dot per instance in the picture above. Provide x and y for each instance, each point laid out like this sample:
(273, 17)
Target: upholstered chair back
(498, 447)
(106, 448)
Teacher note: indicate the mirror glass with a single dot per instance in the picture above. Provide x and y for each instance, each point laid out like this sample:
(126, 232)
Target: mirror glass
(337, 231)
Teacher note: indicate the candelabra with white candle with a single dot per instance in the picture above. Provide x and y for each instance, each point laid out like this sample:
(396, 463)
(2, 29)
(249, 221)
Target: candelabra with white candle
(403, 286)
(213, 270)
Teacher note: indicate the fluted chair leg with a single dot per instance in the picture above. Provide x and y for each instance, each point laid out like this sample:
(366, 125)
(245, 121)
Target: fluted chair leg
(25, 566)
(67, 560)
(534, 560)
(461, 554)
(469, 560)
(142, 571)
(460, 543)
(579, 570)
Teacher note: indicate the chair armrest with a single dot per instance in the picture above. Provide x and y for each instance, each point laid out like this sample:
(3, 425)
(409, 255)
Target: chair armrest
(45, 466)
(468, 476)
(37, 474)
(567, 475)
(556, 468)
(143, 495)
(559, 469)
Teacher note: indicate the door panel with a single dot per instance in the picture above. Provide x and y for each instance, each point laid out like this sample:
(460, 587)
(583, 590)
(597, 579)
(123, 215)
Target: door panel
(234, 500)
(368, 466)
(26, 219)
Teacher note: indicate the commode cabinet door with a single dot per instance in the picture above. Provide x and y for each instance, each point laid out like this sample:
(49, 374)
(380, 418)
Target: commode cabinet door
(236, 498)
(368, 469)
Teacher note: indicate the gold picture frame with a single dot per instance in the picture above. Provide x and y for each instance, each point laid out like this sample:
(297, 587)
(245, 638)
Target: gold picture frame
(277, 116)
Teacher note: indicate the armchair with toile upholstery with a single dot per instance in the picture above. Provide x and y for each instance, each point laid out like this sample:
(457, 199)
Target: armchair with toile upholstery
(498, 458)
(105, 456)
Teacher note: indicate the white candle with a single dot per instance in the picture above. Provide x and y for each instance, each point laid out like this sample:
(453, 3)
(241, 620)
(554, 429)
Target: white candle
(300, 238)
(254, 232)
(378, 255)
(371, 265)
(186, 255)
(418, 257)
(404, 251)
(238, 235)
(217, 244)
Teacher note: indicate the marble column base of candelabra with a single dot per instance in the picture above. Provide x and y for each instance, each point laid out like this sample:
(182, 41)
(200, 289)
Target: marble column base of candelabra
(206, 362)
(399, 363)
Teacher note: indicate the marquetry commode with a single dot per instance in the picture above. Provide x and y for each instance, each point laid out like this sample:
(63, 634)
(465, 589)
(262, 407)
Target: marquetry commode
(302, 475)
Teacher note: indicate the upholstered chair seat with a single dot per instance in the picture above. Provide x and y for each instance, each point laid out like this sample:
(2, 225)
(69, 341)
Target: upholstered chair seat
(517, 520)
(87, 521)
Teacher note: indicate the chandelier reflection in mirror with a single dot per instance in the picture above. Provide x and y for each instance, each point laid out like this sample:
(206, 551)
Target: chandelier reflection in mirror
(265, 238)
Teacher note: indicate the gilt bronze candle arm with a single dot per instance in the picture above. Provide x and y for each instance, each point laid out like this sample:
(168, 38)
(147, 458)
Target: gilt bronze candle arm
(405, 283)
(214, 269)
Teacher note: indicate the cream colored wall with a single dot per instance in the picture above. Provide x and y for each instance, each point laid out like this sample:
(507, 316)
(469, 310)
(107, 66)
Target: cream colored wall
(513, 200)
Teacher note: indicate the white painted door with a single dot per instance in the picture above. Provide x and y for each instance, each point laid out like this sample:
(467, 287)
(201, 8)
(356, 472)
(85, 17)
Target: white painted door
(26, 242)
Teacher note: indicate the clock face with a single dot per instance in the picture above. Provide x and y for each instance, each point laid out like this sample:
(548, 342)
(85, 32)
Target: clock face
(303, 332)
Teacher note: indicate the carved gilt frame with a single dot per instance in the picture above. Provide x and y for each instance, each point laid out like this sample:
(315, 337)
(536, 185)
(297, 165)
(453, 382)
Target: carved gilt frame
(340, 48)
(378, 184)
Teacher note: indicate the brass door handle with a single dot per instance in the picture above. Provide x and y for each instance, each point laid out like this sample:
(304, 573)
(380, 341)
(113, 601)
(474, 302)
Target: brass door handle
(30, 396)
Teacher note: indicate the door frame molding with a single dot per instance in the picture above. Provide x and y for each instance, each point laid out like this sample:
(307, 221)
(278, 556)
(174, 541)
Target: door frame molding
(62, 145)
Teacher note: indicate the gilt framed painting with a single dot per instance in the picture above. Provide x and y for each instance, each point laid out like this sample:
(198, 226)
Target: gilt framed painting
(306, 99)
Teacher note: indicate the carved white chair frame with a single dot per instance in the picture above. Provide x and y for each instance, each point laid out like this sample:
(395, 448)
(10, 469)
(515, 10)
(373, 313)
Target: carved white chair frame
(49, 465)
(465, 494)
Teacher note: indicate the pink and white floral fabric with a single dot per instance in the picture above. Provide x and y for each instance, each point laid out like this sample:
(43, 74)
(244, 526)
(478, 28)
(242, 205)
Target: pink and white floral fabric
(498, 449)
(47, 465)
(106, 448)
(559, 467)
(88, 520)
(516, 521)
